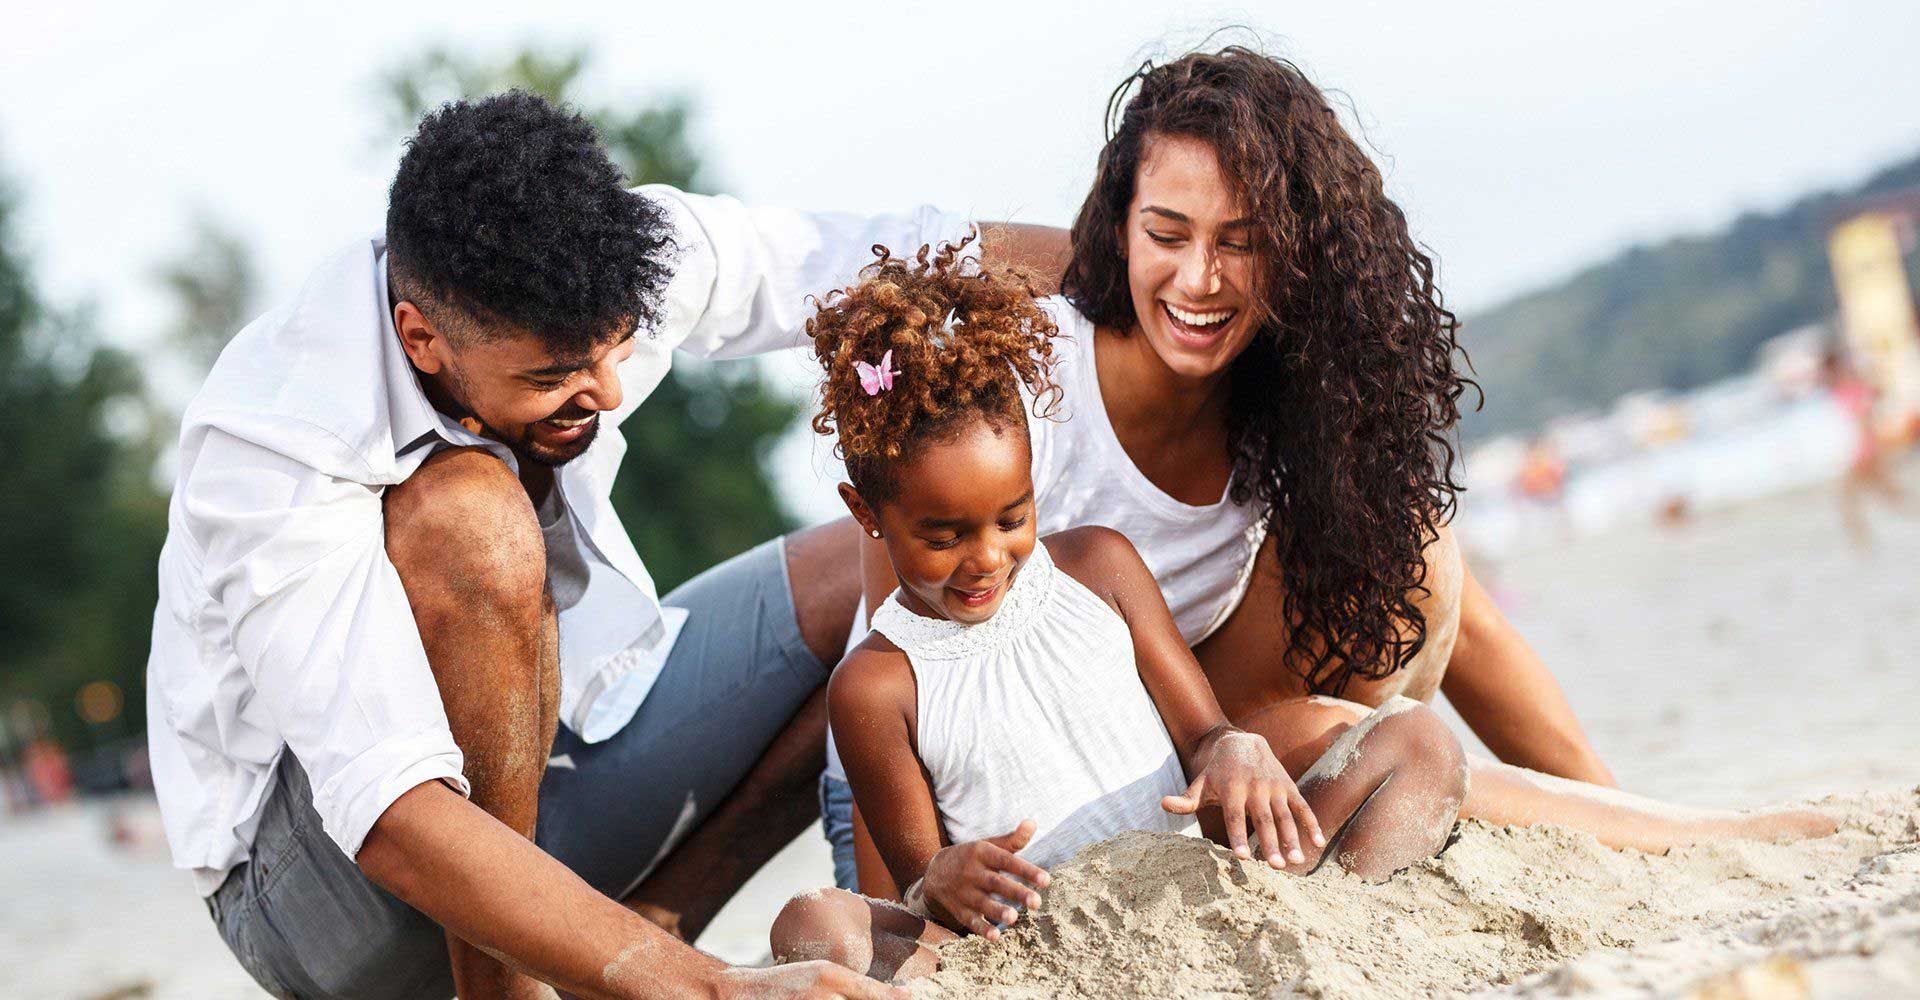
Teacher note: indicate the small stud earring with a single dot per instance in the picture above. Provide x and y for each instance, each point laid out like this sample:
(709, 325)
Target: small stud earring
(875, 532)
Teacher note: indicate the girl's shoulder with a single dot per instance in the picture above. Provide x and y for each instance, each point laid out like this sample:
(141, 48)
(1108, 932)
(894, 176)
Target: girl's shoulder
(874, 675)
(1099, 558)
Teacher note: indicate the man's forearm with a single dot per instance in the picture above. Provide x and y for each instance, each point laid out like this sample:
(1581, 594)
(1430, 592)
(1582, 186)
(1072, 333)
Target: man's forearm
(448, 859)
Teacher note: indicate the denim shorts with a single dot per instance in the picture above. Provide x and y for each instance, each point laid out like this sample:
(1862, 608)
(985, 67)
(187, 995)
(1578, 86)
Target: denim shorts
(304, 921)
(836, 821)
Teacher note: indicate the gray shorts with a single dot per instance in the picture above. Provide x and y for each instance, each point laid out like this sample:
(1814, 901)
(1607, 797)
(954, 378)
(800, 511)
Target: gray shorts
(306, 923)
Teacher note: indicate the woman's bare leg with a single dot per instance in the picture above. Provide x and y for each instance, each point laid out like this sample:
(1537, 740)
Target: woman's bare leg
(1302, 729)
(882, 940)
(1387, 788)
(1514, 796)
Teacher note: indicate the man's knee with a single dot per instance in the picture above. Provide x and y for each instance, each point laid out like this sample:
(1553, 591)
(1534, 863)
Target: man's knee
(462, 527)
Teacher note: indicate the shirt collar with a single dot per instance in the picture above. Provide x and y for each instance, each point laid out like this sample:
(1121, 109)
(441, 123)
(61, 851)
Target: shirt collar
(415, 421)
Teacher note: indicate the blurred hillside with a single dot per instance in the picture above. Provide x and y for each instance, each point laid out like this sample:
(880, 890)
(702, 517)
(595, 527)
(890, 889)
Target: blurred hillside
(1675, 315)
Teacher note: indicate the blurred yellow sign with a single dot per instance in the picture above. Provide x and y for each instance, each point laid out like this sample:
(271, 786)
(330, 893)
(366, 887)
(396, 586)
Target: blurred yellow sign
(1878, 317)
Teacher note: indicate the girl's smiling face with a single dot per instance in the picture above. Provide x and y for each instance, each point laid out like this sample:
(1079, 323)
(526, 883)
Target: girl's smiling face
(960, 523)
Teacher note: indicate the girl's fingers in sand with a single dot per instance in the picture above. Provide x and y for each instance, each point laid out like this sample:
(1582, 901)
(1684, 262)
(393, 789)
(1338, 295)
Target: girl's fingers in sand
(1233, 812)
(1260, 808)
(989, 909)
(1289, 831)
(977, 921)
(1009, 889)
(1000, 860)
(1188, 803)
(1309, 823)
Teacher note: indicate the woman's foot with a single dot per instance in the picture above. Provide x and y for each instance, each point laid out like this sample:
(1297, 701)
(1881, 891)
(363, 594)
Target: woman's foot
(1781, 825)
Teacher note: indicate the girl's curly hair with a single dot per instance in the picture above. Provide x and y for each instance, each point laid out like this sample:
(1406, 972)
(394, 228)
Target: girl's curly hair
(1340, 411)
(966, 340)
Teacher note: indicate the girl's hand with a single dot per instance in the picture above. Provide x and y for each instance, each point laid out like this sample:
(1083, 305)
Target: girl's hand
(1239, 773)
(962, 880)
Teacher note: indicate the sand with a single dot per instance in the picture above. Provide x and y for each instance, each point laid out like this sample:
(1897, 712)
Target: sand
(1750, 657)
(1503, 911)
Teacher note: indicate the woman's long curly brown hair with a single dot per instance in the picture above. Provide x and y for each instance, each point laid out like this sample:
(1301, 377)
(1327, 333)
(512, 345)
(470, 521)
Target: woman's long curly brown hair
(1340, 410)
(966, 340)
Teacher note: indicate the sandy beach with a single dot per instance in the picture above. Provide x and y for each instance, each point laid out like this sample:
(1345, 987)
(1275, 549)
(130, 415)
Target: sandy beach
(1535, 912)
(1747, 658)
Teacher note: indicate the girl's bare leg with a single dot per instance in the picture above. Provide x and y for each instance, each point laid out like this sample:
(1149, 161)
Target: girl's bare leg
(1302, 729)
(1386, 789)
(882, 940)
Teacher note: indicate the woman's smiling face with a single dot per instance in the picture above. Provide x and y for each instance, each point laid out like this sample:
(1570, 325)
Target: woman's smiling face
(1190, 259)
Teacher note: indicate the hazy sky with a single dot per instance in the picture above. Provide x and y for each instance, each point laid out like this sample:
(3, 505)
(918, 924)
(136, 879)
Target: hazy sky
(1523, 139)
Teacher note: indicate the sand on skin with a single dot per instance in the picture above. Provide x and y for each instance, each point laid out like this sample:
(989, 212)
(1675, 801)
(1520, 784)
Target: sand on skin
(1503, 911)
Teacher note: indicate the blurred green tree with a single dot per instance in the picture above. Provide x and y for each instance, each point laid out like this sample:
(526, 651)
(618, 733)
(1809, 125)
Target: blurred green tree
(80, 519)
(213, 284)
(694, 488)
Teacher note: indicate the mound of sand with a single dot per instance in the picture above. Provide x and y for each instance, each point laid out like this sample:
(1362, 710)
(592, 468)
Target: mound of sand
(1508, 911)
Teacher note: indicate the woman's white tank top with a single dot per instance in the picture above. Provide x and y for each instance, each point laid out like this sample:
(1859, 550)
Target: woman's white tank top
(1038, 713)
(1202, 557)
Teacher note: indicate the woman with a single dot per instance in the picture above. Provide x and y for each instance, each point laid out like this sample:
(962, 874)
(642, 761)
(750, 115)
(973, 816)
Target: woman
(1260, 380)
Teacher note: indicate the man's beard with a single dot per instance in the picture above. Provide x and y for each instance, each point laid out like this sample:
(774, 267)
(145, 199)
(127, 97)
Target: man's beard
(524, 448)
(553, 458)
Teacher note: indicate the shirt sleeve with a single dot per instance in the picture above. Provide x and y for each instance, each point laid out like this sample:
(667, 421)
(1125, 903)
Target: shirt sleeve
(743, 275)
(296, 567)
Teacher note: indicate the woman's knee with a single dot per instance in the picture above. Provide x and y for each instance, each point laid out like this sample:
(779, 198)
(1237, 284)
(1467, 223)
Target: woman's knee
(1301, 729)
(1418, 739)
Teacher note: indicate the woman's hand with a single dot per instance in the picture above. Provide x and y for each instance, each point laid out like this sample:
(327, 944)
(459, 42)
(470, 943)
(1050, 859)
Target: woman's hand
(1238, 772)
(962, 880)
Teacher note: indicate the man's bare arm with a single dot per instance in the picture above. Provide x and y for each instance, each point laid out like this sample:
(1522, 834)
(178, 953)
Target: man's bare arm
(447, 858)
(1041, 251)
(1508, 697)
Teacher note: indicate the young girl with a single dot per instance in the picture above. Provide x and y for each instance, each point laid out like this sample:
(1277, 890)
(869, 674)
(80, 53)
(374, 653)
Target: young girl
(1020, 698)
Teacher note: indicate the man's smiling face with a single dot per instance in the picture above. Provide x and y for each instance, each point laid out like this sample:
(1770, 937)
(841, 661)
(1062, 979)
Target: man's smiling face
(545, 407)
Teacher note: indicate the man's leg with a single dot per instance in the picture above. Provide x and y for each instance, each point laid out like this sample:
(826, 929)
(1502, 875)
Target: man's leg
(464, 538)
(716, 770)
(777, 800)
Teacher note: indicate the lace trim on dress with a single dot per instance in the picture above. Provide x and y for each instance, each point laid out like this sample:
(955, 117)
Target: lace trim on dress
(940, 639)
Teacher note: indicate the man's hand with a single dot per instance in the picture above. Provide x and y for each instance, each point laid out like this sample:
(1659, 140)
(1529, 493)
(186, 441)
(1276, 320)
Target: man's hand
(962, 880)
(1239, 773)
(804, 981)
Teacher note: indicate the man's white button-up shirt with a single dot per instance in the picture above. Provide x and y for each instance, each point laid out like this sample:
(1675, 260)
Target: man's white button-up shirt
(281, 622)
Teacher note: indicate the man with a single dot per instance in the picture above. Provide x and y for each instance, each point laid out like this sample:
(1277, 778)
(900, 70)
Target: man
(418, 718)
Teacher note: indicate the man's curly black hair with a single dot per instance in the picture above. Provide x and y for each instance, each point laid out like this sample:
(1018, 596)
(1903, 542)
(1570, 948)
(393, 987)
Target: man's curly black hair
(506, 216)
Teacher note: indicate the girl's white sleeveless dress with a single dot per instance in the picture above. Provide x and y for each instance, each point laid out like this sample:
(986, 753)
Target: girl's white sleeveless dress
(1038, 713)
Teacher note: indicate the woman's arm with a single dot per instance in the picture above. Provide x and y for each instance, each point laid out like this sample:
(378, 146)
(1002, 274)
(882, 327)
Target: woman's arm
(1507, 696)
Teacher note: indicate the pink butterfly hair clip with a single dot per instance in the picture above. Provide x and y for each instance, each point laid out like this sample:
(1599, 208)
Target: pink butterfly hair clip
(876, 380)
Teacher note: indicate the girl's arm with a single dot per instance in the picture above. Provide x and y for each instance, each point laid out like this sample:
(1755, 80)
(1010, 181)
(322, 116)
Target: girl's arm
(1235, 769)
(870, 704)
(876, 582)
